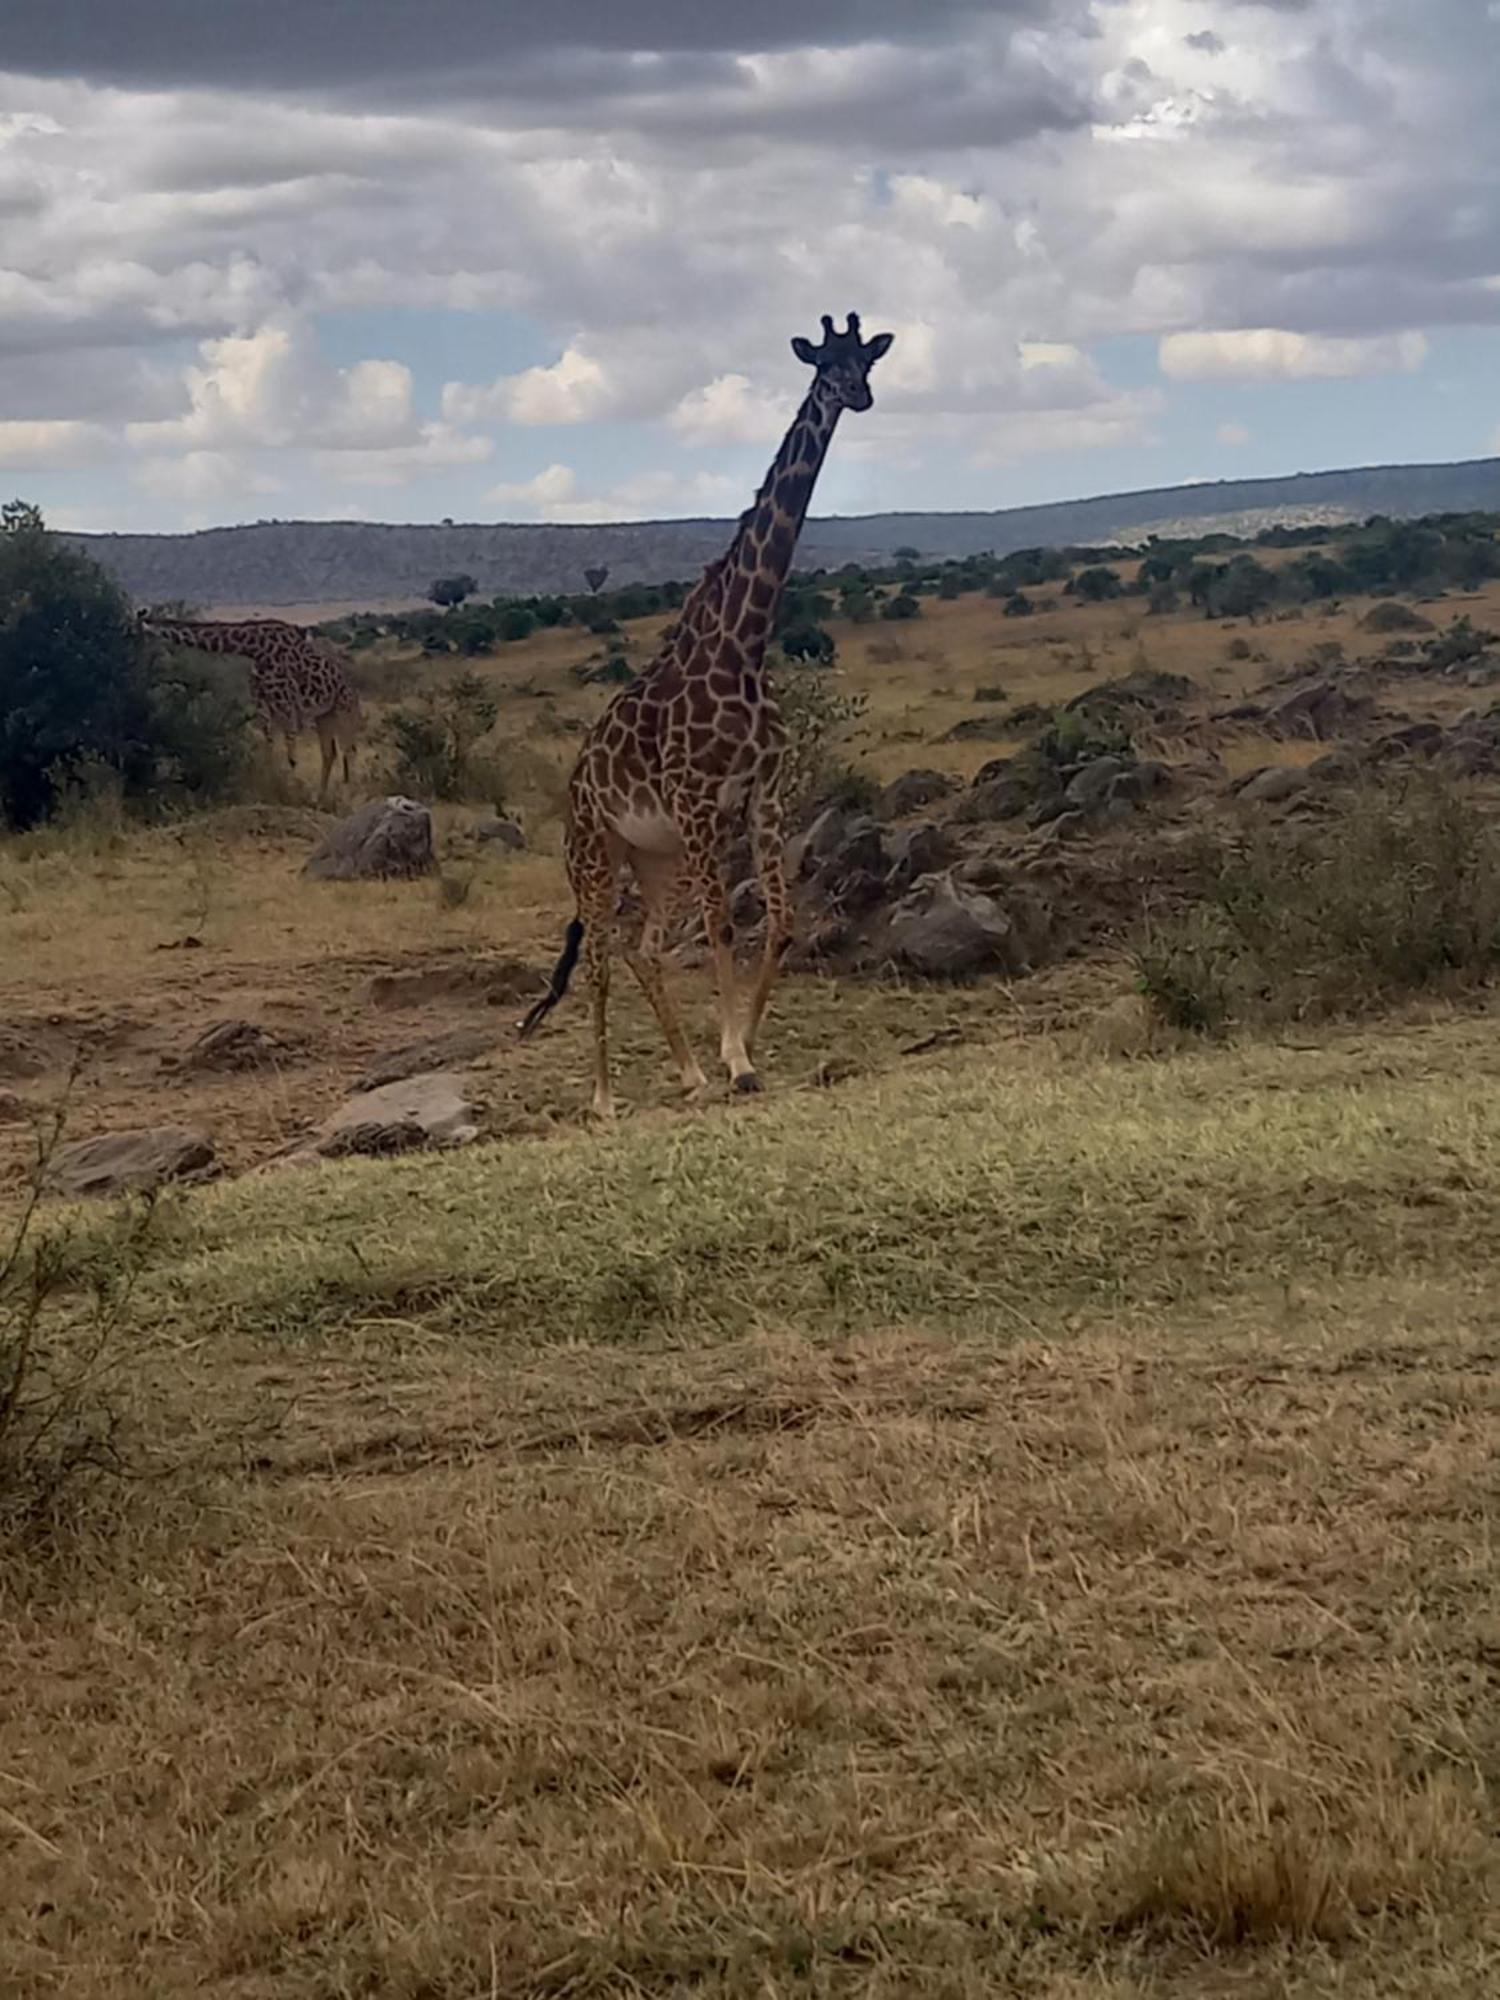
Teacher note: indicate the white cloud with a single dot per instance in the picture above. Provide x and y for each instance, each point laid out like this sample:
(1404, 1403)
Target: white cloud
(730, 410)
(573, 390)
(1273, 353)
(270, 387)
(553, 495)
(1232, 434)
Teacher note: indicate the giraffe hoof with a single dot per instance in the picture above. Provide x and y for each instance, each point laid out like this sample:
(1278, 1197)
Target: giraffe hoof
(749, 1084)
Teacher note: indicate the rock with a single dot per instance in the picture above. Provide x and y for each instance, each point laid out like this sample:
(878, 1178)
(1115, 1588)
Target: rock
(1272, 785)
(1334, 767)
(852, 874)
(1090, 785)
(919, 850)
(911, 791)
(458, 1045)
(1321, 709)
(1049, 808)
(435, 1109)
(1415, 739)
(120, 1161)
(386, 838)
(1006, 796)
(500, 832)
(14, 1109)
(985, 871)
(1145, 780)
(231, 1045)
(1066, 826)
(943, 930)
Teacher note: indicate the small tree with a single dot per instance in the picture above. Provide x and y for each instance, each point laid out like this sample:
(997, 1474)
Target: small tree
(808, 642)
(1095, 584)
(74, 690)
(1017, 605)
(902, 605)
(449, 591)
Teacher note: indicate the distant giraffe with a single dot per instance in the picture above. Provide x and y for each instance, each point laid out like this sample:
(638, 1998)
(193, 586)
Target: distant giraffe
(694, 743)
(297, 681)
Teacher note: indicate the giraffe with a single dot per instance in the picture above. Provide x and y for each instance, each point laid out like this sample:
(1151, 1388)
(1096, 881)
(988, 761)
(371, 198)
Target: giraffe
(295, 680)
(695, 743)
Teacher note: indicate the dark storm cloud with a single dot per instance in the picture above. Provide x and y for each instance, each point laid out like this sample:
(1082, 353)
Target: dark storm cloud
(333, 45)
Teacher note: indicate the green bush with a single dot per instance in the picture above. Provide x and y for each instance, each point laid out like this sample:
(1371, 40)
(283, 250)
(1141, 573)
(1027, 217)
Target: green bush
(816, 713)
(902, 605)
(436, 741)
(1399, 893)
(88, 702)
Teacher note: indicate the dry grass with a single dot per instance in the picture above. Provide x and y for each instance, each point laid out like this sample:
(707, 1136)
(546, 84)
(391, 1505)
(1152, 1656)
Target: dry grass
(1017, 1522)
(987, 1532)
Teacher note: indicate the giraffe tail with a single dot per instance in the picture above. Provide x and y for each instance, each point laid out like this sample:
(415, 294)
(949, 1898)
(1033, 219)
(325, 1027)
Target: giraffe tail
(557, 986)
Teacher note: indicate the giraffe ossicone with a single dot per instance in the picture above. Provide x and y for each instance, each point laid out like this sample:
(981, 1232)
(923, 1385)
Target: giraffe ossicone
(297, 681)
(695, 746)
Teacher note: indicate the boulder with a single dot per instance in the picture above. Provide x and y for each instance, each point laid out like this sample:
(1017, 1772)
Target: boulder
(1272, 786)
(435, 1052)
(435, 1109)
(945, 930)
(1091, 784)
(501, 833)
(386, 838)
(1147, 779)
(911, 791)
(1320, 709)
(13, 1108)
(1413, 739)
(1009, 794)
(118, 1162)
(1334, 767)
(231, 1045)
(919, 850)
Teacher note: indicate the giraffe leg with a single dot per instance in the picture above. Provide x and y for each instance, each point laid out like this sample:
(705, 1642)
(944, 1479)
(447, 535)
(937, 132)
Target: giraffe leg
(701, 860)
(593, 867)
(291, 751)
(328, 744)
(770, 868)
(656, 877)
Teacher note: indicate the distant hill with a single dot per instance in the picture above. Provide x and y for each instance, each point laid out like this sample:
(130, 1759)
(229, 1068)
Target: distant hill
(341, 564)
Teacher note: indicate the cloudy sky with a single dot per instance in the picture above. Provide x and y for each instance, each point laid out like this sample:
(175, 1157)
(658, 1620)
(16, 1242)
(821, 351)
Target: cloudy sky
(542, 260)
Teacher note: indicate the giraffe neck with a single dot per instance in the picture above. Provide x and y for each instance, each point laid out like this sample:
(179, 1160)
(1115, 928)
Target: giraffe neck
(204, 636)
(766, 540)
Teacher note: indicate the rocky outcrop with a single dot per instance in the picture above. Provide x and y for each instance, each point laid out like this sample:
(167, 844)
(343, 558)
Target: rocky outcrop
(387, 838)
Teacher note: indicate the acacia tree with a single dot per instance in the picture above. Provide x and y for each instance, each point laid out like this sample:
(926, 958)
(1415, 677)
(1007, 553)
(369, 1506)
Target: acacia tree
(449, 591)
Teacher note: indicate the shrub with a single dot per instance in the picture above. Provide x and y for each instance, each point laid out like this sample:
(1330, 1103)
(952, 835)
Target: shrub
(1017, 605)
(808, 642)
(1399, 893)
(88, 701)
(451, 590)
(902, 605)
(57, 1430)
(436, 742)
(992, 691)
(1095, 584)
(816, 712)
(1460, 641)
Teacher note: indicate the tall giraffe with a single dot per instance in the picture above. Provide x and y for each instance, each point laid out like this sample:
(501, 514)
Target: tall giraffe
(696, 742)
(296, 680)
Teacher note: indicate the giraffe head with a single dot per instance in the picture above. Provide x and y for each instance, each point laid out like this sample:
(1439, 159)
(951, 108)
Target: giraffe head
(843, 361)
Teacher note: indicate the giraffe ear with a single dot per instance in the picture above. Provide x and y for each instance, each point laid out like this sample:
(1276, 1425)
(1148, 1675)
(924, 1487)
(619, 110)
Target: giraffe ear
(805, 351)
(876, 347)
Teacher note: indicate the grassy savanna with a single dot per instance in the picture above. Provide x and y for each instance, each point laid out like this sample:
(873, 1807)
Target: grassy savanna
(988, 1517)
(1020, 1525)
